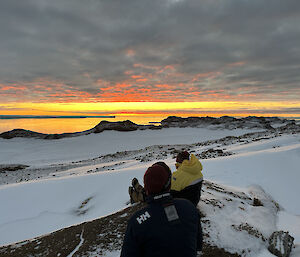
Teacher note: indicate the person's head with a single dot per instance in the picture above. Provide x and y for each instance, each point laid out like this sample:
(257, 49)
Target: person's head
(164, 165)
(157, 179)
(181, 157)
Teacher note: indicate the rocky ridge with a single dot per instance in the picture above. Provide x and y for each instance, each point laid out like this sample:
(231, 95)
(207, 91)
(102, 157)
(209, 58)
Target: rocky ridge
(224, 122)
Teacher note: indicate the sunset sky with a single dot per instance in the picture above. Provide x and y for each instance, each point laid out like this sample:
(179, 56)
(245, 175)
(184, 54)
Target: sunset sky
(191, 57)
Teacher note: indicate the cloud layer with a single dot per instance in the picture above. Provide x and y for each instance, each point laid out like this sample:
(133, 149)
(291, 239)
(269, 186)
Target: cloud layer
(158, 50)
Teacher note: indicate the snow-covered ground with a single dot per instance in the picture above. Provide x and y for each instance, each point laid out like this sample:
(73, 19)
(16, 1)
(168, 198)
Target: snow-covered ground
(38, 207)
(39, 151)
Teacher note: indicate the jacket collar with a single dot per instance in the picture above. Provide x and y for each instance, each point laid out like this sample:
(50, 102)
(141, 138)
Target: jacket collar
(157, 198)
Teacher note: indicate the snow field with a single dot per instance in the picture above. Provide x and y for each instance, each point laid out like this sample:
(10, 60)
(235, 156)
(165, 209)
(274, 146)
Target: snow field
(36, 208)
(41, 152)
(275, 169)
(269, 167)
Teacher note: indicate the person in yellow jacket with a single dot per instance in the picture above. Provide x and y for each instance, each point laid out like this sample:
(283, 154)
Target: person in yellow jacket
(187, 179)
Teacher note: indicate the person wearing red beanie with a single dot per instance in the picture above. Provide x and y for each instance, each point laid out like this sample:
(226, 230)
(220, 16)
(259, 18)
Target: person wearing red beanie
(165, 227)
(137, 192)
(157, 180)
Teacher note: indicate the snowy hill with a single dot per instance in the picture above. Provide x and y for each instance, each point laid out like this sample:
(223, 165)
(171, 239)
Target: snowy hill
(244, 227)
(62, 188)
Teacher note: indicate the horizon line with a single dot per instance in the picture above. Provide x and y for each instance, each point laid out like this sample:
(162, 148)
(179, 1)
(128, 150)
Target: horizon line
(183, 115)
(53, 116)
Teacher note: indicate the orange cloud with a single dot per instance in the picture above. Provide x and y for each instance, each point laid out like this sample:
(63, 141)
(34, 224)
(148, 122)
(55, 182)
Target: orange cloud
(235, 64)
(13, 87)
(144, 66)
(130, 52)
(131, 90)
(167, 68)
(141, 82)
(136, 76)
(210, 75)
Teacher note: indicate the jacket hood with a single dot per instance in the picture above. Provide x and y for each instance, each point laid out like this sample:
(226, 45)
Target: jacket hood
(192, 166)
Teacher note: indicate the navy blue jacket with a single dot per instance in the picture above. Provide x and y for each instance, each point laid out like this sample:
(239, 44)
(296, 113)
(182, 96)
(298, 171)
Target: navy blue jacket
(160, 231)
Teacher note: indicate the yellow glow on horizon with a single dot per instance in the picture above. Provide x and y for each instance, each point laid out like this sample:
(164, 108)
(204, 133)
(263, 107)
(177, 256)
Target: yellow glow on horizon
(148, 108)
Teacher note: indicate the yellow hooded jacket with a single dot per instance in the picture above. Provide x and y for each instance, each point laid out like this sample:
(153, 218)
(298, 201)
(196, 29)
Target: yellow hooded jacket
(188, 173)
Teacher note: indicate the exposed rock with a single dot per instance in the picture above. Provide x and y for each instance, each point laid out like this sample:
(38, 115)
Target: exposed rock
(281, 243)
(250, 230)
(290, 127)
(153, 127)
(224, 122)
(224, 119)
(257, 202)
(118, 126)
(174, 121)
(213, 153)
(102, 126)
(21, 133)
(12, 167)
(171, 119)
(31, 134)
(213, 251)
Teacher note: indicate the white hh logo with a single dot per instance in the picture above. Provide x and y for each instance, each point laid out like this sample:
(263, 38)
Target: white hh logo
(143, 217)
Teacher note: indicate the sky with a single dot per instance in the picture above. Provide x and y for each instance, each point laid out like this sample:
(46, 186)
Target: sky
(141, 56)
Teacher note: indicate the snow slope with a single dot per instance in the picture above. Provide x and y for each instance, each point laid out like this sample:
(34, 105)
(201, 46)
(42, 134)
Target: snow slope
(40, 151)
(276, 169)
(39, 207)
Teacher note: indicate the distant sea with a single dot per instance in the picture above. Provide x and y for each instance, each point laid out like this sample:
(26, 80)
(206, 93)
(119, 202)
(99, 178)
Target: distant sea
(65, 124)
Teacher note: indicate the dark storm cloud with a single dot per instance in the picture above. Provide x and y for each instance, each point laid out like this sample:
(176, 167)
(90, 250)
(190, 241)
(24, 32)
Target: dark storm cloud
(79, 43)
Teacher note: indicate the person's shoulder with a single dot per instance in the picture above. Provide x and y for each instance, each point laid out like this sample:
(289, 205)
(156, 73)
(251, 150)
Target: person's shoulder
(184, 203)
(186, 207)
(140, 215)
(178, 172)
(142, 209)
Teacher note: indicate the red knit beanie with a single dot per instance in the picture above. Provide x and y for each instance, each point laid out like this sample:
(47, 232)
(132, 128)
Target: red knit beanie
(156, 180)
(182, 156)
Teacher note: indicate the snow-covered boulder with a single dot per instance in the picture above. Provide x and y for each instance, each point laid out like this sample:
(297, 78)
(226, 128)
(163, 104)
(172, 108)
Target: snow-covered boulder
(281, 243)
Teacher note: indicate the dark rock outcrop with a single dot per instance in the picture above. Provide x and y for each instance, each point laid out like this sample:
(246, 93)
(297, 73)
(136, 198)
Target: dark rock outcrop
(126, 125)
(174, 121)
(31, 134)
(21, 133)
(103, 125)
(12, 167)
(257, 202)
(213, 153)
(290, 127)
(281, 243)
(224, 122)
